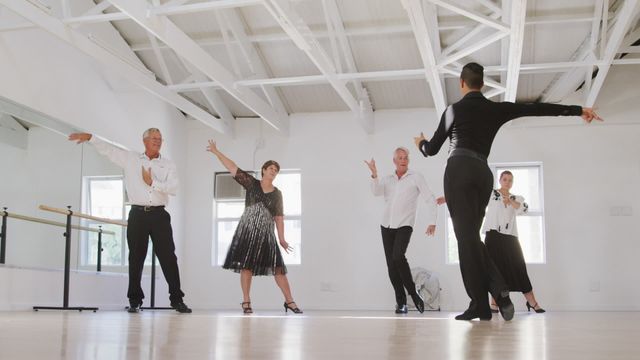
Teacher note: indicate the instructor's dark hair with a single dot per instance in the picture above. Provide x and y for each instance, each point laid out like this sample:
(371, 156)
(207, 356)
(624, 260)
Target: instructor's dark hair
(472, 74)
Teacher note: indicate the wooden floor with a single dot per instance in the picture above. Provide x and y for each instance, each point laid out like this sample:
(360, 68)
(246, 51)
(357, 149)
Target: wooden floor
(316, 335)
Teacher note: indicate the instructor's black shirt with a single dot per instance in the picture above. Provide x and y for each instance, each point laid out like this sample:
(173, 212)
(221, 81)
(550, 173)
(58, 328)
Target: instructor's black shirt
(473, 122)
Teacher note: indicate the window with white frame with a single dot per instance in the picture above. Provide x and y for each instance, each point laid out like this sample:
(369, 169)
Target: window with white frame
(527, 182)
(228, 205)
(104, 196)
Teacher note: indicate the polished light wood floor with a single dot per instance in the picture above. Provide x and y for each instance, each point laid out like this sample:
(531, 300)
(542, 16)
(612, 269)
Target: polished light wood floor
(316, 335)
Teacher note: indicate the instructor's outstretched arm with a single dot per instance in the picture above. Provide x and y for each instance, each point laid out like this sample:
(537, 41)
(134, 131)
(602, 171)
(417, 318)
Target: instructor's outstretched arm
(431, 147)
(589, 114)
(515, 110)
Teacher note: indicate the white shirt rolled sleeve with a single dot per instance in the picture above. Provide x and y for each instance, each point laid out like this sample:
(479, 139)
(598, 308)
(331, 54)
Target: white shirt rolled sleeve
(163, 173)
(117, 155)
(429, 199)
(377, 186)
(401, 199)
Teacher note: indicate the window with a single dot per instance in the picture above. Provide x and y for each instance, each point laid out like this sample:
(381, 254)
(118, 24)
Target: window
(104, 196)
(527, 182)
(228, 205)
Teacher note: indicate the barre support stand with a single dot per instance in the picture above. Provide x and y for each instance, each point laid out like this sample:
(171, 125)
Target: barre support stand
(99, 267)
(67, 270)
(3, 237)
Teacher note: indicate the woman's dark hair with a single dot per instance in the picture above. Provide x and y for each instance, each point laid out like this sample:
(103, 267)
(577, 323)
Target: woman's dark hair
(506, 172)
(269, 163)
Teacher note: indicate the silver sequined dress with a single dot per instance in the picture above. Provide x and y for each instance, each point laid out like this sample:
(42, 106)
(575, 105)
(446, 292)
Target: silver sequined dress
(254, 246)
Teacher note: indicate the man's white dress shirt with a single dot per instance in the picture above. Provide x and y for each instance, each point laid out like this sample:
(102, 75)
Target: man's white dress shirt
(163, 173)
(401, 199)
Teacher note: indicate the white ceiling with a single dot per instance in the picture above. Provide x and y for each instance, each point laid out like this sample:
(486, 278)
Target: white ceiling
(380, 41)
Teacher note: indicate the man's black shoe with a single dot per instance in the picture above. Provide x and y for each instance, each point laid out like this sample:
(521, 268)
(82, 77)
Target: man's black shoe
(401, 309)
(418, 301)
(181, 308)
(506, 306)
(470, 315)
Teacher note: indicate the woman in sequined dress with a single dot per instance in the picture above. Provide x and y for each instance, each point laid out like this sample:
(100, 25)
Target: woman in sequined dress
(254, 249)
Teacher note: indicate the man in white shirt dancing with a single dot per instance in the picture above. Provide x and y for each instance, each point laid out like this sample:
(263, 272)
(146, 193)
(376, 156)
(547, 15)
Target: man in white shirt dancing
(149, 179)
(401, 191)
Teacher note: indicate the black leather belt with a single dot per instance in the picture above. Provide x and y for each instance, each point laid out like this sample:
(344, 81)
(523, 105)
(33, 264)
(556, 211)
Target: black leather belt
(147, 208)
(468, 153)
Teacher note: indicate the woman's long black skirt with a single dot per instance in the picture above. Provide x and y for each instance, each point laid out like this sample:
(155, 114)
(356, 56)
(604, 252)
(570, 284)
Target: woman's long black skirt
(506, 253)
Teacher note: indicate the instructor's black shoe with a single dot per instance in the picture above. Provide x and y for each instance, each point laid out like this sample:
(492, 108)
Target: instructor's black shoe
(418, 301)
(506, 306)
(471, 314)
(181, 308)
(134, 308)
(401, 309)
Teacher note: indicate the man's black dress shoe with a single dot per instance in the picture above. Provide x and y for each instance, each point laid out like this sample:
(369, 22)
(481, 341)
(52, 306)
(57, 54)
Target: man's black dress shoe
(181, 308)
(401, 309)
(418, 301)
(506, 306)
(471, 314)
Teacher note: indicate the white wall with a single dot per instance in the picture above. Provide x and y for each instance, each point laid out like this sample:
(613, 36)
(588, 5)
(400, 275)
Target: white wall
(587, 169)
(24, 288)
(46, 173)
(42, 73)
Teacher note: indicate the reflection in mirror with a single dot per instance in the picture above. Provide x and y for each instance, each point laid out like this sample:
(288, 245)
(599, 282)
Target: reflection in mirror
(104, 196)
(40, 166)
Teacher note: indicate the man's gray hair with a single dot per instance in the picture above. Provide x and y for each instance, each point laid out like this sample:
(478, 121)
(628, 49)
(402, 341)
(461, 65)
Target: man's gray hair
(400, 148)
(149, 131)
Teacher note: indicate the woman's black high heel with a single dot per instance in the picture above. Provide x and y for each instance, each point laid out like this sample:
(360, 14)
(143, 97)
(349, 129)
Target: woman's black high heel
(247, 309)
(539, 310)
(296, 310)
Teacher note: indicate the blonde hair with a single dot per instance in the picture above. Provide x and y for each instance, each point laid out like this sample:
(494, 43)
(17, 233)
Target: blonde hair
(148, 132)
(400, 148)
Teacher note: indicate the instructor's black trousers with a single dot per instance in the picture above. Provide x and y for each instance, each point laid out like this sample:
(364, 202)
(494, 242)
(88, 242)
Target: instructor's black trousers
(468, 182)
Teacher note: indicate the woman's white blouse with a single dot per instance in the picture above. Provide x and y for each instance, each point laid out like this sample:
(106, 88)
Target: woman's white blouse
(503, 218)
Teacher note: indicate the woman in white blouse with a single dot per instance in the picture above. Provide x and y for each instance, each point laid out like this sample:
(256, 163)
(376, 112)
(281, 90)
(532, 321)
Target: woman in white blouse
(502, 242)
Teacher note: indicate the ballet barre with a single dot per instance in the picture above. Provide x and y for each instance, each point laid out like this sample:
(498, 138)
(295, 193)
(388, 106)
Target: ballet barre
(89, 217)
(68, 212)
(3, 232)
(67, 254)
(81, 215)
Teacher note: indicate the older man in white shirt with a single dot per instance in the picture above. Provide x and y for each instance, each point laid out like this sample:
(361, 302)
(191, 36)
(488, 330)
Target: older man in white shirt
(401, 191)
(149, 179)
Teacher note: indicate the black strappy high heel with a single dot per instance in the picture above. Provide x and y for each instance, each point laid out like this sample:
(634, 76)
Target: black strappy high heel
(247, 309)
(296, 310)
(539, 310)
